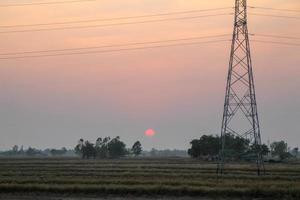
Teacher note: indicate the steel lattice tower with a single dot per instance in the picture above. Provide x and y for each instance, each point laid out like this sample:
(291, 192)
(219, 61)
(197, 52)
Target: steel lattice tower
(240, 116)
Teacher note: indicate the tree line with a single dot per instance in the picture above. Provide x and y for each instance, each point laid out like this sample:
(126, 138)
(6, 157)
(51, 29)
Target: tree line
(106, 148)
(207, 147)
(30, 151)
(237, 148)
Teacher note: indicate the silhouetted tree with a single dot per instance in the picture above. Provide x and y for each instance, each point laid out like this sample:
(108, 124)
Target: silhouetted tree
(15, 149)
(58, 152)
(254, 150)
(102, 147)
(79, 148)
(116, 148)
(295, 151)
(85, 149)
(195, 150)
(280, 149)
(236, 147)
(207, 145)
(264, 149)
(137, 148)
(32, 152)
(88, 150)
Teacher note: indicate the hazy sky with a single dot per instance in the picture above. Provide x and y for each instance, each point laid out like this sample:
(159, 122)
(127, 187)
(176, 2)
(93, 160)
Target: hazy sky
(178, 91)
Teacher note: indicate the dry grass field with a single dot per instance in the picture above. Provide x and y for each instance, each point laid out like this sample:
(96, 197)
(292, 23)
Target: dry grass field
(143, 178)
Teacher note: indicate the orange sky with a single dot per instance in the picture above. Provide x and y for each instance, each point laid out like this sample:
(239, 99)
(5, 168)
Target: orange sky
(176, 91)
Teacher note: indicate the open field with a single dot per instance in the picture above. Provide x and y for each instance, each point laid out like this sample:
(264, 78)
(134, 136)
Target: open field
(143, 178)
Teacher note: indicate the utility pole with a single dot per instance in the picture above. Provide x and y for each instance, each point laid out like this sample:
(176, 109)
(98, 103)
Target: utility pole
(240, 116)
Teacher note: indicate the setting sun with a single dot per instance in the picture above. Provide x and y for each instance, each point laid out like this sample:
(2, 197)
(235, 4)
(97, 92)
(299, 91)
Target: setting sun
(150, 132)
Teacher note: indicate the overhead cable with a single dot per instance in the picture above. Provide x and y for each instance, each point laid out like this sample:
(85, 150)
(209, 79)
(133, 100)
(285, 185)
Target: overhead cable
(275, 36)
(114, 50)
(275, 42)
(114, 24)
(44, 3)
(114, 19)
(277, 16)
(116, 45)
(275, 9)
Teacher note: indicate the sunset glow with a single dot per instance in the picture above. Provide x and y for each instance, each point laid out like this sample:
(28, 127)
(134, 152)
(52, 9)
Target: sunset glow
(150, 132)
(179, 89)
(149, 99)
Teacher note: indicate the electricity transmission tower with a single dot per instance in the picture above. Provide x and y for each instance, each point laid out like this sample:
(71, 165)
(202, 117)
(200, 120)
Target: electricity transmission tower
(240, 116)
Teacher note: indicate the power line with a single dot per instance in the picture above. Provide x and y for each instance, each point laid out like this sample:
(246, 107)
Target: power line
(115, 24)
(44, 3)
(275, 42)
(275, 9)
(114, 50)
(142, 43)
(116, 18)
(110, 46)
(275, 36)
(128, 49)
(278, 16)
